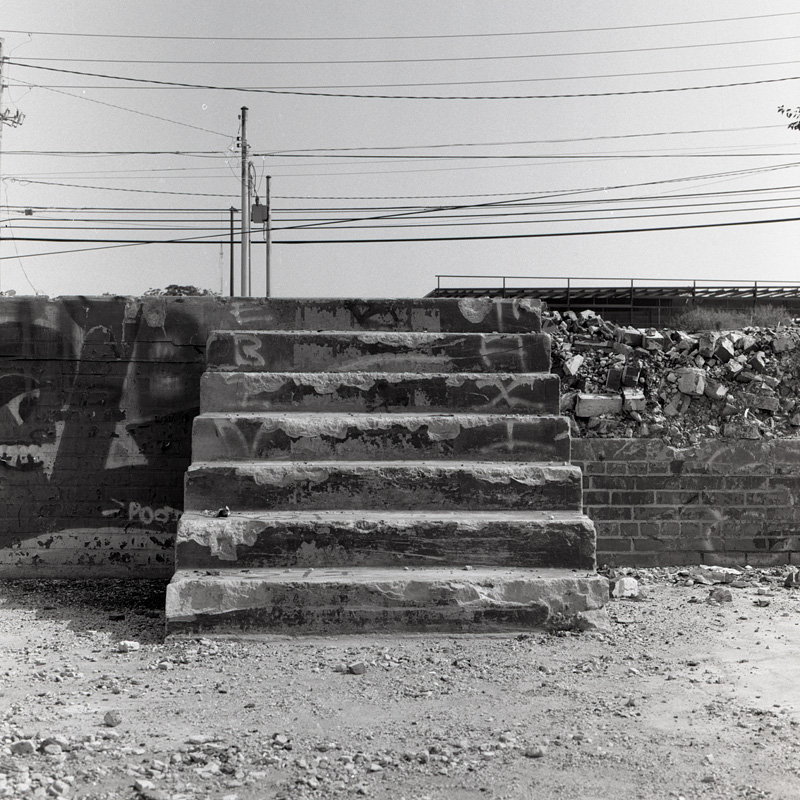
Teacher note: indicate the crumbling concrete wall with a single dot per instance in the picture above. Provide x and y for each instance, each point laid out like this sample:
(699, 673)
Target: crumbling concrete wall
(720, 503)
(97, 397)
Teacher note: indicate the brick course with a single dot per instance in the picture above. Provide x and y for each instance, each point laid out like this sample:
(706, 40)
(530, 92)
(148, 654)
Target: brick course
(716, 503)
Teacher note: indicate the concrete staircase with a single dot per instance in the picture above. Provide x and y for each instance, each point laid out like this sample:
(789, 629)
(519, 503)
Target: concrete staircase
(405, 470)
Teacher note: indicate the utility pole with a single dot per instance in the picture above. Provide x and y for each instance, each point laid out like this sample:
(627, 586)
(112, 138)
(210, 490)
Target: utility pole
(6, 118)
(245, 261)
(268, 238)
(233, 291)
(2, 42)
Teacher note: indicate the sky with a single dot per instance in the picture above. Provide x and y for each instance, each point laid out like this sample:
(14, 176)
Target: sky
(539, 141)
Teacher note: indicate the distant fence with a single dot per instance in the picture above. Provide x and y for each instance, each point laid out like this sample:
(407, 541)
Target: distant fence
(639, 301)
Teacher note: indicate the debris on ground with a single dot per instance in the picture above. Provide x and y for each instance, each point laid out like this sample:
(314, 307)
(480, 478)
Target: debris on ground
(685, 388)
(642, 705)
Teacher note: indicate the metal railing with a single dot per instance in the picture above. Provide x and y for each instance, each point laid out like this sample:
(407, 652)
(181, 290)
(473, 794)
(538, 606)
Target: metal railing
(626, 296)
(605, 282)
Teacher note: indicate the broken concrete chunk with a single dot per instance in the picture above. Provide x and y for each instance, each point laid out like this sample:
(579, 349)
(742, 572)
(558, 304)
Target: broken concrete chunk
(691, 381)
(684, 342)
(653, 340)
(631, 373)
(724, 350)
(716, 574)
(784, 343)
(614, 378)
(633, 400)
(112, 719)
(593, 405)
(626, 587)
(706, 344)
(763, 402)
(758, 363)
(572, 365)
(734, 368)
(747, 343)
(622, 349)
(772, 381)
(629, 336)
(720, 595)
(678, 404)
(715, 390)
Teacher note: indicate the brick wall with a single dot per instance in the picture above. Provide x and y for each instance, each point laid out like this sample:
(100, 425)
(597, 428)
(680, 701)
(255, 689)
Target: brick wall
(716, 503)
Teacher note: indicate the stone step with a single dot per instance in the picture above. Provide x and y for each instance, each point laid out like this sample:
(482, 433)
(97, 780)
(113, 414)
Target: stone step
(379, 485)
(337, 601)
(352, 437)
(384, 539)
(398, 392)
(510, 315)
(348, 351)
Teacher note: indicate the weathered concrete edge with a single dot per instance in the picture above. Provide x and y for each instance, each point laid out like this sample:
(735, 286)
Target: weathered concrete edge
(226, 603)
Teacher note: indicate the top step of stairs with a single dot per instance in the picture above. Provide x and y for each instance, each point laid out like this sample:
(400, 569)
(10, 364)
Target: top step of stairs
(478, 314)
(377, 351)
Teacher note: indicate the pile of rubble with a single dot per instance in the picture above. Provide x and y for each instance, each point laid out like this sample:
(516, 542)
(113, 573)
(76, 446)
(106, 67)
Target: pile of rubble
(684, 388)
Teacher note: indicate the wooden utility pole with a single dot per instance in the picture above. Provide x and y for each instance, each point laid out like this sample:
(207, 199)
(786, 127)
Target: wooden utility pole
(268, 238)
(233, 282)
(6, 117)
(245, 261)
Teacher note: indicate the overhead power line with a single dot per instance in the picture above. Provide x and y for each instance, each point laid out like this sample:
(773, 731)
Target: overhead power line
(211, 87)
(538, 209)
(448, 59)
(537, 218)
(125, 108)
(530, 141)
(437, 59)
(401, 37)
(192, 240)
(199, 153)
(433, 218)
(407, 85)
(89, 249)
(428, 146)
(493, 220)
(535, 235)
(483, 237)
(531, 194)
(119, 189)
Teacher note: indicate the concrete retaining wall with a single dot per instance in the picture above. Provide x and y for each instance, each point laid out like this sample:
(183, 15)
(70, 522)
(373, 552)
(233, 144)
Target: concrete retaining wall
(97, 398)
(720, 503)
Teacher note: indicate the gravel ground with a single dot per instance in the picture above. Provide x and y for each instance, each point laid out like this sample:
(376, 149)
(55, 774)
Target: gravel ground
(682, 698)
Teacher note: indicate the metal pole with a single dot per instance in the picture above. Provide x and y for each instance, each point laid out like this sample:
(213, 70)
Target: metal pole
(233, 291)
(631, 301)
(244, 277)
(268, 235)
(2, 42)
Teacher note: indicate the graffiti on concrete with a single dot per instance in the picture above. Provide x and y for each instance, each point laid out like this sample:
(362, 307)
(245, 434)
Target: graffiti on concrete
(96, 402)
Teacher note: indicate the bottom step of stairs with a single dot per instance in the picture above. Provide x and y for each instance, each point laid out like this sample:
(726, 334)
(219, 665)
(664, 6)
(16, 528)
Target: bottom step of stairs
(338, 601)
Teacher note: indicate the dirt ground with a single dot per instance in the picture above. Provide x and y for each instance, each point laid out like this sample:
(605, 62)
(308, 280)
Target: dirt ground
(683, 698)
